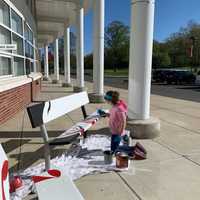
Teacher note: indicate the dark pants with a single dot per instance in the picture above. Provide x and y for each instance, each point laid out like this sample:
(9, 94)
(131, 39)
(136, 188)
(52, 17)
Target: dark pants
(115, 141)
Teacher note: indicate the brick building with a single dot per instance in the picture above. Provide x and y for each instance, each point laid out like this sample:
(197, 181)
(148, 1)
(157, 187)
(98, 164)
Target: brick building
(19, 77)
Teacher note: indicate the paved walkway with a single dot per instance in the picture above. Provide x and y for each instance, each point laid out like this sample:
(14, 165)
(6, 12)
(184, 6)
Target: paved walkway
(171, 171)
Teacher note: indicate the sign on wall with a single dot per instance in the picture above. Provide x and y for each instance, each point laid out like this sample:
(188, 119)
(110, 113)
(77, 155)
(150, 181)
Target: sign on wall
(4, 176)
(6, 47)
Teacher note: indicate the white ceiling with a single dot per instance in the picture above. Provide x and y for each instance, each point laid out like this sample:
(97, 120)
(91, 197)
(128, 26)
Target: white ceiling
(53, 16)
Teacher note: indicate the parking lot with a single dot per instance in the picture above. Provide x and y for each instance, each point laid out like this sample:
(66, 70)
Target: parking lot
(184, 92)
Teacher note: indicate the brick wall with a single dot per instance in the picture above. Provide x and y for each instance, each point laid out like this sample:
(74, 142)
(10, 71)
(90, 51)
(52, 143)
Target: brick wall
(14, 100)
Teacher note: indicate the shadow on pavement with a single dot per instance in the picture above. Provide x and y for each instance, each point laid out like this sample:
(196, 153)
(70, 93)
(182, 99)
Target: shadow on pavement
(28, 134)
(189, 93)
(29, 158)
(13, 144)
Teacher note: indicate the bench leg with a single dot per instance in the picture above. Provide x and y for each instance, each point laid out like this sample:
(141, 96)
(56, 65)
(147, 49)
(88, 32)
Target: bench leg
(47, 157)
(47, 153)
(84, 112)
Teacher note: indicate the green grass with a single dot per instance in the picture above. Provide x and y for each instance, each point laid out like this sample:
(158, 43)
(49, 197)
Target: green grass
(119, 72)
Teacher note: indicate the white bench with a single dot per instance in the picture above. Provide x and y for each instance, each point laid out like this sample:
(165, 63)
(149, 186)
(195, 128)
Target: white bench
(44, 112)
(60, 188)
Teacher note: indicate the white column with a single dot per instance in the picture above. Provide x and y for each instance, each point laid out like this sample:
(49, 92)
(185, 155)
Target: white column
(56, 60)
(46, 61)
(34, 57)
(140, 59)
(34, 62)
(80, 48)
(67, 55)
(98, 46)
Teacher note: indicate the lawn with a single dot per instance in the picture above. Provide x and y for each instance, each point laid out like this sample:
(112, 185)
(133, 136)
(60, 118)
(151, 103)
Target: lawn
(119, 72)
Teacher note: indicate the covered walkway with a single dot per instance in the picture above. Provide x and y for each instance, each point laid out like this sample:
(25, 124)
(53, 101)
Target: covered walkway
(55, 19)
(171, 171)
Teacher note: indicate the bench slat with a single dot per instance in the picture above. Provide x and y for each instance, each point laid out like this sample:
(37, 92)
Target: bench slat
(59, 107)
(44, 112)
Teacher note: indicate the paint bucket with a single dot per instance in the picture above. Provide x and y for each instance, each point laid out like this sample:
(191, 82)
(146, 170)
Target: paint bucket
(121, 160)
(108, 157)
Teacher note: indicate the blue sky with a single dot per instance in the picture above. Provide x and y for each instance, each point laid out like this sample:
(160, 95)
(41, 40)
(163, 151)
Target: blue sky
(170, 15)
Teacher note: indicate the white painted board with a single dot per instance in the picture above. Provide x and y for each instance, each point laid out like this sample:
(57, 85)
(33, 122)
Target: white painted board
(61, 188)
(58, 107)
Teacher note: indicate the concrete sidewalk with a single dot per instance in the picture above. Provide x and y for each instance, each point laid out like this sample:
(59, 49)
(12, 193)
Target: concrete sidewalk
(171, 171)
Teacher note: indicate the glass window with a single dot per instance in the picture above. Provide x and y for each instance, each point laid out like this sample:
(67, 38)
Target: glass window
(19, 66)
(32, 66)
(31, 36)
(31, 51)
(28, 34)
(27, 49)
(28, 66)
(5, 66)
(4, 13)
(16, 23)
(19, 42)
(5, 36)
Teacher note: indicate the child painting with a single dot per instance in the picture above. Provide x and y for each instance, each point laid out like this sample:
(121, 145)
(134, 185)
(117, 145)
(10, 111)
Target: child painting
(117, 118)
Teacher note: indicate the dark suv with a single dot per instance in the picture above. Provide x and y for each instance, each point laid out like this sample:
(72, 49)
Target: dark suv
(174, 76)
(181, 77)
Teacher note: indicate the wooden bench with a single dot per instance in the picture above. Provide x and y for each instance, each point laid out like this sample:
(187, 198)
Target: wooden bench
(42, 113)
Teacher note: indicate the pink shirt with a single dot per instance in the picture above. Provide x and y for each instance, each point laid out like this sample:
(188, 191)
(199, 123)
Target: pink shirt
(118, 114)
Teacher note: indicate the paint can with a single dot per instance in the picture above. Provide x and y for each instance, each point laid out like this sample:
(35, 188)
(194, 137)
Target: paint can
(121, 160)
(108, 157)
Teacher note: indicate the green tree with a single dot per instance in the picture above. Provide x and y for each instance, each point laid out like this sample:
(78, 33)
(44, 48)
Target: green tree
(160, 55)
(88, 61)
(179, 44)
(116, 45)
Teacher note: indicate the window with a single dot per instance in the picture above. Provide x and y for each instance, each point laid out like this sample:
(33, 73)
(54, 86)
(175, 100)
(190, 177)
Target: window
(19, 42)
(31, 36)
(28, 66)
(5, 66)
(16, 23)
(19, 66)
(31, 51)
(5, 36)
(32, 66)
(4, 13)
(28, 34)
(20, 61)
(27, 49)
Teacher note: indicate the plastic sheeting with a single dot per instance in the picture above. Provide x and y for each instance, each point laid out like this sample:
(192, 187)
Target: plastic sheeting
(78, 161)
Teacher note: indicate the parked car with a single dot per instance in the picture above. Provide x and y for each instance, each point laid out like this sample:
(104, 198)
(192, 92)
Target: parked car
(174, 76)
(160, 75)
(181, 77)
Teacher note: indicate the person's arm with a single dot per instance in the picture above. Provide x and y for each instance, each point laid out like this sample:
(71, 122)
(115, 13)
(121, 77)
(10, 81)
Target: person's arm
(102, 113)
(107, 114)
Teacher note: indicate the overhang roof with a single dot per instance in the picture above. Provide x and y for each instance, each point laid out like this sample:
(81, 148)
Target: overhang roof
(53, 16)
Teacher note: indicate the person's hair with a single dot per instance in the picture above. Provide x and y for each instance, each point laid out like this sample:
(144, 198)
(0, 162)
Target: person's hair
(112, 96)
